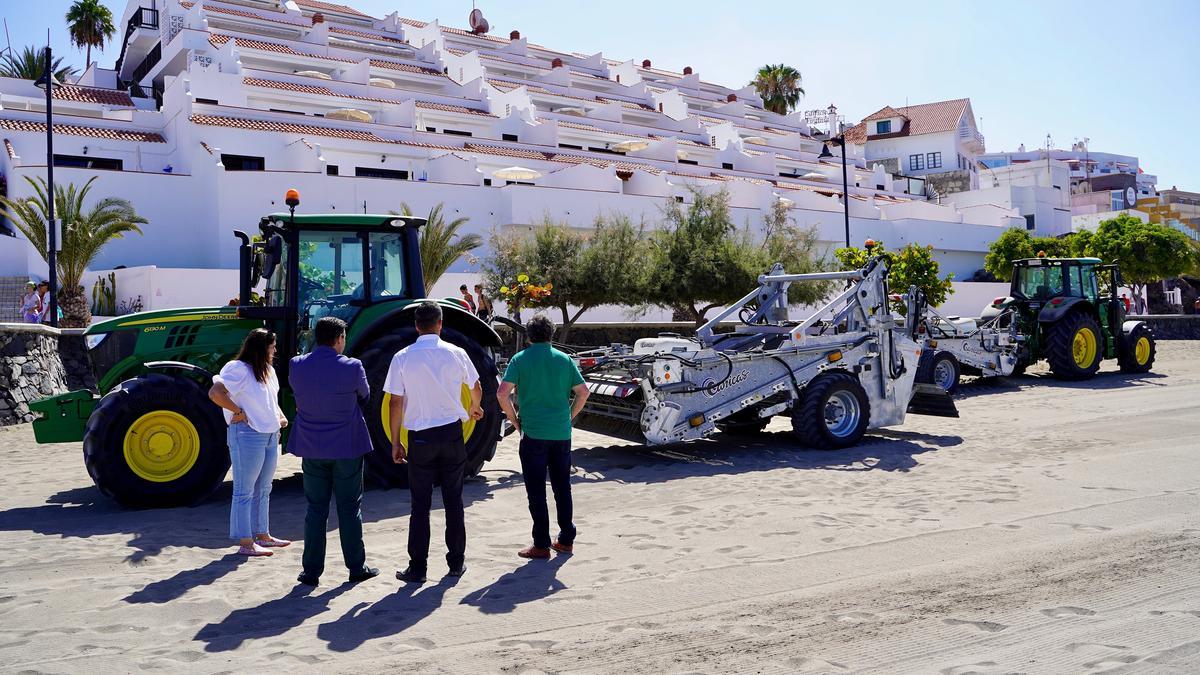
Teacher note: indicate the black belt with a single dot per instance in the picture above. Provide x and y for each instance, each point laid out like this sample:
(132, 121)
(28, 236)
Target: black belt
(439, 434)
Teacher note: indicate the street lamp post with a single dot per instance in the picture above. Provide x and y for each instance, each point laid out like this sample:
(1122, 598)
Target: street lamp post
(46, 81)
(840, 140)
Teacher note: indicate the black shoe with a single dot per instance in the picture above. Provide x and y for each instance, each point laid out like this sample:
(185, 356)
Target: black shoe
(364, 574)
(308, 579)
(411, 576)
(457, 571)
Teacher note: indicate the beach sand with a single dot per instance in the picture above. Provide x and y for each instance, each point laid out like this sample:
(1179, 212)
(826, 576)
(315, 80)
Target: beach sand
(1054, 527)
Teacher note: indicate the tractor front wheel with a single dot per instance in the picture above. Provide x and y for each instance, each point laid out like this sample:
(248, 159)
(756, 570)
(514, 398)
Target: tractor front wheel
(156, 441)
(1074, 347)
(481, 436)
(1137, 352)
(942, 369)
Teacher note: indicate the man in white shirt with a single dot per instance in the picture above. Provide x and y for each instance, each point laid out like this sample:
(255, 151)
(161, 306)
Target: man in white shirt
(425, 380)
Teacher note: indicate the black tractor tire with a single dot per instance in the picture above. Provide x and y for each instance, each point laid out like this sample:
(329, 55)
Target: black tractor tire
(928, 370)
(109, 427)
(1127, 356)
(1060, 341)
(481, 446)
(815, 421)
(745, 423)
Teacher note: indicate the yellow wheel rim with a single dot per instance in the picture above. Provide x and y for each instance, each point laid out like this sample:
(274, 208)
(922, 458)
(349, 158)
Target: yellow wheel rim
(161, 446)
(1083, 347)
(385, 415)
(1141, 350)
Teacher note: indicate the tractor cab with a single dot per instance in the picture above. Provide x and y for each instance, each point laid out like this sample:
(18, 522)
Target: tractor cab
(1039, 281)
(322, 265)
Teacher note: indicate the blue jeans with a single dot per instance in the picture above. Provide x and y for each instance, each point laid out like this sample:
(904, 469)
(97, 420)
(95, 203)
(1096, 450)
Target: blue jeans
(537, 458)
(254, 456)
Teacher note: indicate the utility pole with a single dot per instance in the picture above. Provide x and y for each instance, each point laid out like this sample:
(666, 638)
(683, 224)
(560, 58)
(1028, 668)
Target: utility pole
(47, 82)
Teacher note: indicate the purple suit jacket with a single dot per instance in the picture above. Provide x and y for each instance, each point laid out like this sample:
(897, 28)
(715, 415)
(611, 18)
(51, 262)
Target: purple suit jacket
(329, 390)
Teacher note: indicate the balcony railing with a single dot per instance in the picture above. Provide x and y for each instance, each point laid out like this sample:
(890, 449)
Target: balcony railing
(970, 136)
(143, 17)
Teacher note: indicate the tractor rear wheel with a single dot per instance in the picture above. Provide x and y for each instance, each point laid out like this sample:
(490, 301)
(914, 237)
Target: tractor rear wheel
(481, 435)
(156, 441)
(833, 412)
(941, 369)
(743, 423)
(1074, 347)
(1137, 351)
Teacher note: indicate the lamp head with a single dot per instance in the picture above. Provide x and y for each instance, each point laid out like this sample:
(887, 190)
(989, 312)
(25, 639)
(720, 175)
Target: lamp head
(825, 153)
(292, 198)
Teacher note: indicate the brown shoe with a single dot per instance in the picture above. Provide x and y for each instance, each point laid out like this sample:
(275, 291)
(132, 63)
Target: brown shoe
(534, 552)
(562, 548)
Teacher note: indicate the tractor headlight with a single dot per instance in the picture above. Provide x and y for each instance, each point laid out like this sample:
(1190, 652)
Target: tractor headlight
(93, 341)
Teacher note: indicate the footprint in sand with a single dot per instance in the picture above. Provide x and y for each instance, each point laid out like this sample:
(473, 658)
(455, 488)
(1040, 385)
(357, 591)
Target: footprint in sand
(986, 626)
(1079, 527)
(805, 664)
(1092, 646)
(981, 668)
(531, 644)
(1063, 612)
(684, 510)
(730, 549)
(751, 629)
(853, 617)
(1112, 661)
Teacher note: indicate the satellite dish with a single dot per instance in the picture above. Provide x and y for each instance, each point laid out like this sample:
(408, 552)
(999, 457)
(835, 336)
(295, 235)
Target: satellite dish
(479, 24)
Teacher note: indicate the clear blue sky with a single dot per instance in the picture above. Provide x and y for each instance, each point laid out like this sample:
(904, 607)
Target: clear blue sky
(1126, 75)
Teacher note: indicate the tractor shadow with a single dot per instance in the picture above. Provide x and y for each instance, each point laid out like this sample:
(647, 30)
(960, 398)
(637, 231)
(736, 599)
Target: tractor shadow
(982, 386)
(728, 454)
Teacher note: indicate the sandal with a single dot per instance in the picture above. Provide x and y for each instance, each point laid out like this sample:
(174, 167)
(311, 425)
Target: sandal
(254, 551)
(272, 542)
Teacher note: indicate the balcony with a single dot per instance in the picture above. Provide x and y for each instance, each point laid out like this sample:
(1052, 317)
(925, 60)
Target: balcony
(971, 139)
(140, 33)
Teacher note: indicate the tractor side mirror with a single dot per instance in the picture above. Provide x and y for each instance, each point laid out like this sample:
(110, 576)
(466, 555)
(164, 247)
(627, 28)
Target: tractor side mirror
(271, 255)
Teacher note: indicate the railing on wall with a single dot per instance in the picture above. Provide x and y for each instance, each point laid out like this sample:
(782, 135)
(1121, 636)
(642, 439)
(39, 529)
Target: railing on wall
(143, 17)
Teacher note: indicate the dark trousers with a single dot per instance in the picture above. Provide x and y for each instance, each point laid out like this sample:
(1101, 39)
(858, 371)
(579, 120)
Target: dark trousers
(538, 457)
(436, 454)
(341, 479)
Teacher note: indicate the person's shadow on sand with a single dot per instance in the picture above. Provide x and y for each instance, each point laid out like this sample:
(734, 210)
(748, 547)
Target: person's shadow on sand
(391, 615)
(535, 580)
(274, 617)
(174, 587)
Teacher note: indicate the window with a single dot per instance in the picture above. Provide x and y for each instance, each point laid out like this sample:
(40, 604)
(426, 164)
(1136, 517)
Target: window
(487, 182)
(370, 172)
(290, 112)
(1040, 282)
(387, 265)
(727, 165)
(689, 161)
(916, 162)
(1116, 200)
(455, 132)
(933, 160)
(330, 278)
(432, 130)
(209, 101)
(508, 137)
(570, 146)
(243, 163)
(331, 170)
(84, 162)
(1030, 222)
(884, 127)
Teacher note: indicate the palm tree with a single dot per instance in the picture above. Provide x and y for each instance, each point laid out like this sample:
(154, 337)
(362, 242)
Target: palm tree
(30, 64)
(440, 243)
(779, 86)
(90, 25)
(84, 233)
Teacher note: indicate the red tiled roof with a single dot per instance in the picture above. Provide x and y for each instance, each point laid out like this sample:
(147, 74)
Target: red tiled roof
(603, 164)
(363, 34)
(326, 91)
(243, 13)
(218, 40)
(923, 118)
(71, 92)
(590, 127)
(413, 22)
(405, 67)
(288, 86)
(625, 104)
(75, 130)
(8, 147)
(285, 127)
(331, 7)
(506, 152)
(207, 147)
(884, 113)
(444, 107)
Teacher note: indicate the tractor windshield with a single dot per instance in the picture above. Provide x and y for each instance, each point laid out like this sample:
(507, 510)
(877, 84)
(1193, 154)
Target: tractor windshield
(331, 275)
(1040, 282)
(387, 265)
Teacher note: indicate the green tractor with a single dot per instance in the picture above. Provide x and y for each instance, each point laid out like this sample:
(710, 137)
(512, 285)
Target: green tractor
(152, 438)
(1069, 313)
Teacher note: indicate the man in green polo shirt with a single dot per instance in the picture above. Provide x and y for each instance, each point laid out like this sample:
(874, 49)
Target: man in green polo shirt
(543, 379)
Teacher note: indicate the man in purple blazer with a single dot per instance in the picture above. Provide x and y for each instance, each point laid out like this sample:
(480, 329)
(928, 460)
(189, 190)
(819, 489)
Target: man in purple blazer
(330, 435)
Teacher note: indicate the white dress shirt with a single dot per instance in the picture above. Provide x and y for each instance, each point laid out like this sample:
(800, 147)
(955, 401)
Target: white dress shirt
(259, 400)
(429, 374)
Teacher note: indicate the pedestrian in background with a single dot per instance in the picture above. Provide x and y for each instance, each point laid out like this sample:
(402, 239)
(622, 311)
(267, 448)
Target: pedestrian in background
(248, 390)
(467, 298)
(330, 436)
(425, 380)
(31, 304)
(43, 291)
(485, 304)
(543, 379)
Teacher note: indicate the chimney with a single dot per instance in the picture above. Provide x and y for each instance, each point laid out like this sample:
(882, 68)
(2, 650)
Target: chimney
(556, 63)
(687, 70)
(731, 98)
(318, 18)
(645, 63)
(515, 35)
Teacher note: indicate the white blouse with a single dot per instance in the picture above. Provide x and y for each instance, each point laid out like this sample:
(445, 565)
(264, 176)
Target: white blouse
(259, 400)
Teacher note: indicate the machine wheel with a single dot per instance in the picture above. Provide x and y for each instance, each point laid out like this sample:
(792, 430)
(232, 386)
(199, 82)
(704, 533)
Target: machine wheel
(1074, 347)
(156, 441)
(942, 369)
(481, 435)
(1137, 354)
(743, 424)
(833, 413)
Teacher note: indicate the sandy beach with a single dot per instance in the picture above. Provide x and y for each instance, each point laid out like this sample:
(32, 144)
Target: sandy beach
(1053, 528)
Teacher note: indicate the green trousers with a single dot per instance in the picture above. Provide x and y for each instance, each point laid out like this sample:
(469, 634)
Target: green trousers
(341, 480)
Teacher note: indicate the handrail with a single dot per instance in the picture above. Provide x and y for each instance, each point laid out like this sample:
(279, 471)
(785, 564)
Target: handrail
(136, 20)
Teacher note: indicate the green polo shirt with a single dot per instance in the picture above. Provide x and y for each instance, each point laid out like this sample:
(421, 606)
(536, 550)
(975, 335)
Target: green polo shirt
(544, 377)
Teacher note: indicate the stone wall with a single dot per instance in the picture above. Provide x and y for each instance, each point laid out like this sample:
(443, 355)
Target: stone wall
(1172, 326)
(949, 182)
(36, 362)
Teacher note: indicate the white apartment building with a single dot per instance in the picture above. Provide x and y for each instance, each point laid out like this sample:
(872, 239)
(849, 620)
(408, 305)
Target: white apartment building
(1090, 172)
(215, 108)
(937, 141)
(1039, 191)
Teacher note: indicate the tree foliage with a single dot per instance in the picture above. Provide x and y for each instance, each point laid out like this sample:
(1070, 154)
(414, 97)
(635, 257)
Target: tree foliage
(779, 86)
(30, 64)
(912, 265)
(441, 245)
(84, 232)
(90, 24)
(1016, 244)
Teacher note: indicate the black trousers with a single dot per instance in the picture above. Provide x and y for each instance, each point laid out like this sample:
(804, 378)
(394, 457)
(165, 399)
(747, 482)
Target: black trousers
(538, 458)
(341, 479)
(436, 454)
